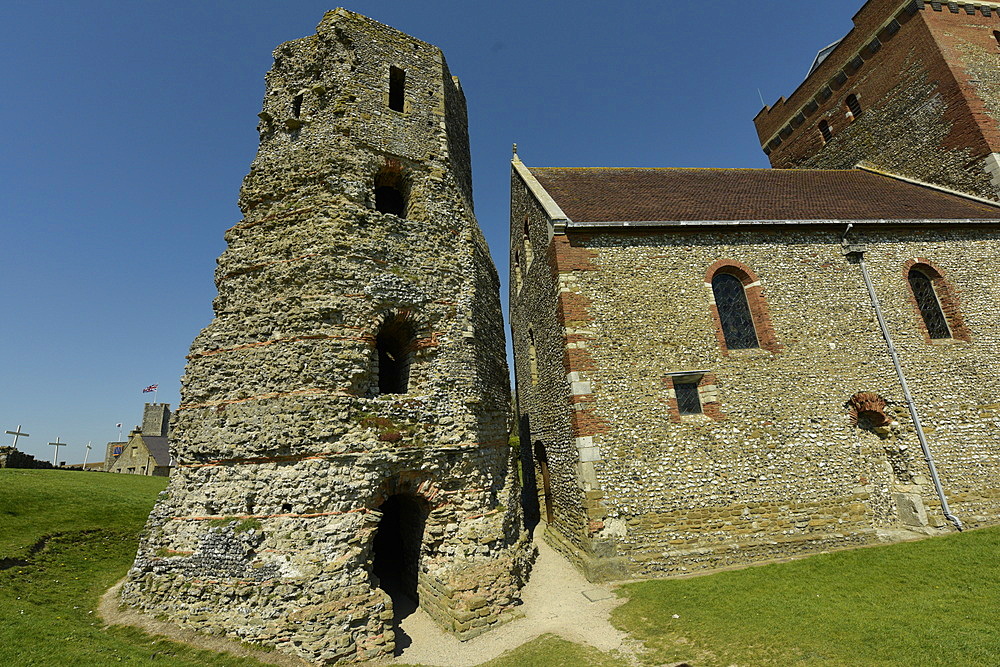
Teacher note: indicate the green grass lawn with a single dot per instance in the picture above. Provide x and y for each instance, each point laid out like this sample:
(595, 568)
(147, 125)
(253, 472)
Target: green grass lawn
(933, 602)
(66, 537)
(76, 534)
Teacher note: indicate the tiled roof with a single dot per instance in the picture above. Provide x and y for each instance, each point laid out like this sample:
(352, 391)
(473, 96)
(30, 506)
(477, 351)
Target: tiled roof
(643, 194)
(159, 448)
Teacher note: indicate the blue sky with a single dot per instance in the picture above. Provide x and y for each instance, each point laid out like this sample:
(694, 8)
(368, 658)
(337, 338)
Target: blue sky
(128, 127)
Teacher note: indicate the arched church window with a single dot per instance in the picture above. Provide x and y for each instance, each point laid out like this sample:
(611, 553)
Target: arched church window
(853, 106)
(734, 312)
(394, 347)
(928, 304)
(390, 192)
(526, 240)
(742, 319)
(532, 357)
(824, 129)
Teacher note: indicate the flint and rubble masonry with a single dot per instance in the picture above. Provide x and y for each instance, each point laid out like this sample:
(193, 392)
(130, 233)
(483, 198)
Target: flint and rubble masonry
(777, 468)
(285, 446)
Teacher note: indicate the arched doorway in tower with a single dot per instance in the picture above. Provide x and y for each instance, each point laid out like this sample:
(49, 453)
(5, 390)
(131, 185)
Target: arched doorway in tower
(396, 555)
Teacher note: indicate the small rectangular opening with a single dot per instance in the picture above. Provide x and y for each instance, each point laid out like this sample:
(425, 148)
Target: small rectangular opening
(397, 83)
(688, 401)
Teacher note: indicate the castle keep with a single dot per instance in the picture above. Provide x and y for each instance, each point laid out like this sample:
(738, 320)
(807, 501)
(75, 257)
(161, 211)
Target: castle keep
(341, 444)
(702, 376)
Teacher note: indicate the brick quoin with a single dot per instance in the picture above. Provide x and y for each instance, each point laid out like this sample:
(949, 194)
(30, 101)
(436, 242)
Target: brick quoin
(947, 297)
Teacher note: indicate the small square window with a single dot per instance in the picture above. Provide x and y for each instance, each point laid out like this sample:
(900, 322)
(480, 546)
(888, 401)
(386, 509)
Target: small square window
(686, 391)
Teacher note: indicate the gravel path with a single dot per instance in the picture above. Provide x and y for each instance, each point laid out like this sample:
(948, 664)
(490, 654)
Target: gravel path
(554, 602)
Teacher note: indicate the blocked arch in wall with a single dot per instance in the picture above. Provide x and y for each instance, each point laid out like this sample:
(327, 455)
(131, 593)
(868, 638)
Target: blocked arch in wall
(756, 303)
(946, 296)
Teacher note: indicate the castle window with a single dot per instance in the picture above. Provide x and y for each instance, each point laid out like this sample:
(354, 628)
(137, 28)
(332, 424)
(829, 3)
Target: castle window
(739, 309)
(390, 192)
(393, 344)
(297, 105)
(532, 358)
(996, 36)
(853, 106)
(686, 391)
(824, 129)
(928, 303)
(734, 312)
(528, 253)
(397, 83)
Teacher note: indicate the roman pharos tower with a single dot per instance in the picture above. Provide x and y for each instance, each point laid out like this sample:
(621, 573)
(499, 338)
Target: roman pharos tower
(341, 444)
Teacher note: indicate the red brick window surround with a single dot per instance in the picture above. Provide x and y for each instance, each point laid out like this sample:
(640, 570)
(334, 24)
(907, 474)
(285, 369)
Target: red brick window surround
(824, 129)
(934, 301)
(719, 279)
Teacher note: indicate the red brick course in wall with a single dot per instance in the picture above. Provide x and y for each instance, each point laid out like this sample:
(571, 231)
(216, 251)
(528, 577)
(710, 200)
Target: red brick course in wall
(759, 311)
(950, 304)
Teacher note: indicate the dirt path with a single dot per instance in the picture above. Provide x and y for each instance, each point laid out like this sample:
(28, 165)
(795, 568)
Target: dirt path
(557, 600)
(554, 602)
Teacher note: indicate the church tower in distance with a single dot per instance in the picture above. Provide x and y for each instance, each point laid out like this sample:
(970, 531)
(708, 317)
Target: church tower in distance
(341, 446)
(913, 89)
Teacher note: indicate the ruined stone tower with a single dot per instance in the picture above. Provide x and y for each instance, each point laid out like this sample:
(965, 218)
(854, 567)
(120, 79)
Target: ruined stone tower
(913, 88)
(341, 445)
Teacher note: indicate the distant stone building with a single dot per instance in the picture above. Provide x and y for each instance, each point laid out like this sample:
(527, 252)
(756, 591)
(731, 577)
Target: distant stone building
(913, 88)
(341, 444)
(701, 377)
(147, 450)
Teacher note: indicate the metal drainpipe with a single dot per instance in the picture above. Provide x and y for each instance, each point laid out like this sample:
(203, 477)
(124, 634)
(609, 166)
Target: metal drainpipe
(859, 252)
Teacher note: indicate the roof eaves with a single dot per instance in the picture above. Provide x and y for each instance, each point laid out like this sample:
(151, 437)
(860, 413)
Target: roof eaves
(640, 224)
(559, 221)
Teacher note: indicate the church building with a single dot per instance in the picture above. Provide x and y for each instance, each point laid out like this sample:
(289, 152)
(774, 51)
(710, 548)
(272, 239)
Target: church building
(722, 366)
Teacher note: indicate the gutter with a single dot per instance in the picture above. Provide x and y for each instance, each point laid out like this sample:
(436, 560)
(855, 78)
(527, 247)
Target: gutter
(857, 252)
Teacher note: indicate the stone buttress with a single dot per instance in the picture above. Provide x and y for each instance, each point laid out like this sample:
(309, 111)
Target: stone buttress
(341, 445)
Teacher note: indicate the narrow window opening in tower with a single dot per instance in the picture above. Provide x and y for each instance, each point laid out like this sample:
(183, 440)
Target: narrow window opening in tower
(532, 358)
(297, 105)
(393, 344)
(397, 84)
(396, 551)
(390, 193)
(996, 36)
(824, 129)
(853, 106)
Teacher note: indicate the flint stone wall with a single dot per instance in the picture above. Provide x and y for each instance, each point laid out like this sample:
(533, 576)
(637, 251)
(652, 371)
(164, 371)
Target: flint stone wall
(777, 468)
(285, 447)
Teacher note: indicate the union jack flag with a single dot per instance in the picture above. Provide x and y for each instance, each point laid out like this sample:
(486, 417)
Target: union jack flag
(150, 388)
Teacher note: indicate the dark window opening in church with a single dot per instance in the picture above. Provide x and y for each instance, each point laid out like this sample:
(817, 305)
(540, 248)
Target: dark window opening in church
(393, 344)
(297, 106)
(397, 83)
(853, 106)
(390, 196)
(927, 302)
(824, 129)
(688, 401)
(996, 36)
(734, 312)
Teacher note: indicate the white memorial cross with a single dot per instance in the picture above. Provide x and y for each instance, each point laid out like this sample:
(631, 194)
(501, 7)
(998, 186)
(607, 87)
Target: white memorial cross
(55, 456)
(17, 434)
